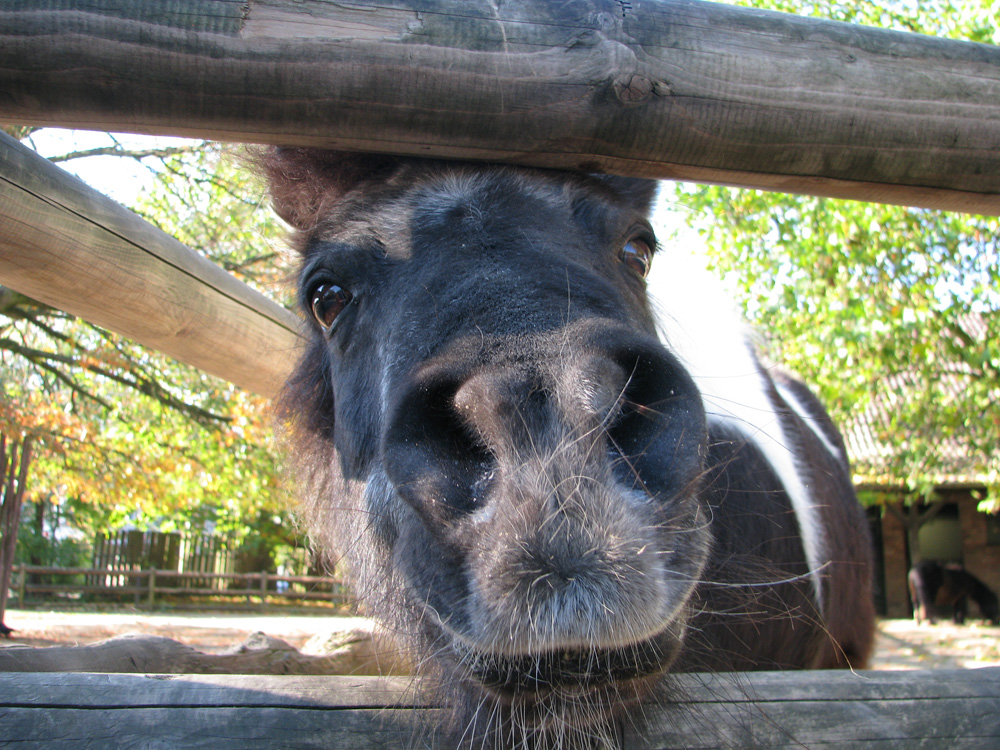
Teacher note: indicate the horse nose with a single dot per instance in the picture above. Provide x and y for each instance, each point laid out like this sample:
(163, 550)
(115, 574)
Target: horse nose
(591, 390)
(452, 426)
(656, 422)
(513, 412)
(488, 400)
(456, 423)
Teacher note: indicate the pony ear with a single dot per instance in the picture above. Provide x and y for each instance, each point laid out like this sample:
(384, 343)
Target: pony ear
(305, 183)
(633, 191)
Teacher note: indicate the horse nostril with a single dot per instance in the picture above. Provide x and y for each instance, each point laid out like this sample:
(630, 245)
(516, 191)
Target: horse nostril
(596, 385)
(436, 462)
(652, 427)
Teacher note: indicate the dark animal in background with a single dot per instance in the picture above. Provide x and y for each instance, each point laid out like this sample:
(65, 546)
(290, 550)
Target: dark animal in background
(934, 584)
(548, 505)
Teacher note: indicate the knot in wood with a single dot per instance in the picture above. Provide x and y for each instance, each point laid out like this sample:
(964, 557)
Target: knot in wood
(633, 90)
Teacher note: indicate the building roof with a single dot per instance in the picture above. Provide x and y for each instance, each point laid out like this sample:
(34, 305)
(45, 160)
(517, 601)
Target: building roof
(877, 447)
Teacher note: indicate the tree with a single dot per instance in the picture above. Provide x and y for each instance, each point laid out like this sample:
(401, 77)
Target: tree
(131, 433)
(15, 458)
(892, 312)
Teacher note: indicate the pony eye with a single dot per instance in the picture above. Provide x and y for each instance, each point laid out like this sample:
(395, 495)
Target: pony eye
(328, 301)
(637, 255)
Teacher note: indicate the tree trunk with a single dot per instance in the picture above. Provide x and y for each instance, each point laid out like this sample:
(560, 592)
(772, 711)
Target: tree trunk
(14, 465)
(913, 518)
(39, 523)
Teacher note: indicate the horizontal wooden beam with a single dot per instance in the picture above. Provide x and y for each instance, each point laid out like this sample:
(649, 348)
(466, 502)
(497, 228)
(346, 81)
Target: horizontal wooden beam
(66, 245)
(932, 710)
(673, 89)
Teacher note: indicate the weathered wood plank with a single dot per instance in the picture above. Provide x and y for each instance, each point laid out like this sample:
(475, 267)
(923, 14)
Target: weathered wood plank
(219, 728)
(108, 690)
(936, 722)
(661, 88)
(891, 710)
(839, 686)
(66, 245)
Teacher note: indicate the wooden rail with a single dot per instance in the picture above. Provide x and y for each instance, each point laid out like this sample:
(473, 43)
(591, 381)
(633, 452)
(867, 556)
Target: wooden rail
(675, 89)
(67, 245)
(932, 710)
(145, 585)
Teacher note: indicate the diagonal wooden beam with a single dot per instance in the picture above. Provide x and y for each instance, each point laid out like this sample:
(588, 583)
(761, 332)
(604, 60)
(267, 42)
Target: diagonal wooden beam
(66, 245)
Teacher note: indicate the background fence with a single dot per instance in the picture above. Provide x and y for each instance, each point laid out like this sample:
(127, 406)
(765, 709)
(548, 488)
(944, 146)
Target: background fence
(148, 568)
(149, 587)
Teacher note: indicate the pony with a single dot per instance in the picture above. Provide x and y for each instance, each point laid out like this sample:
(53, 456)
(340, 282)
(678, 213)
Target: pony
(551, 495)
(933, 584)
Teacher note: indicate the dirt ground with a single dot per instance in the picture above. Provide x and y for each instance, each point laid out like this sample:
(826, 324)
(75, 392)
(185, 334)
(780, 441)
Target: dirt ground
(901, 643)
(212, 633)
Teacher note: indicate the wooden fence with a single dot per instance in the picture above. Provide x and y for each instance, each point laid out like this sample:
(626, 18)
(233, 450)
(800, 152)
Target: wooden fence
(713, 93)
(144, 586)
(188, 553)
(941, 710)
(672, 89)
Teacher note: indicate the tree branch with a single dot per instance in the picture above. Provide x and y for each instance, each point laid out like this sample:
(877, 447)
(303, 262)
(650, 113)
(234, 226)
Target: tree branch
(896, 512)
(145, 385)
(931, 513)
(20, 132)
(39, 359)
(118, 150)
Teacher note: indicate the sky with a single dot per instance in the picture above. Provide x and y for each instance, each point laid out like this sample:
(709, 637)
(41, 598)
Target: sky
(121, 179)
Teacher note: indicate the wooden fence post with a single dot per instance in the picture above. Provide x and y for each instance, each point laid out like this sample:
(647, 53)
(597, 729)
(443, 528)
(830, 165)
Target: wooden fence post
(152, 587)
